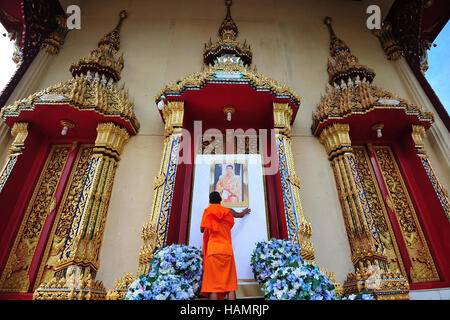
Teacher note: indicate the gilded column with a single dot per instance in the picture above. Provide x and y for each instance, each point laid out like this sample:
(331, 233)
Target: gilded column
(154, 232)
(82, 247)
(365, 244)
(417, 134)
(299, 229)
(79, 259)
(20, 132)
(371, 270)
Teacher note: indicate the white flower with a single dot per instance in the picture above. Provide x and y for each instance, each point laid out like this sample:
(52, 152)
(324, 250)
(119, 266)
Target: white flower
(292, 292)
(160, 297)
(138, 292)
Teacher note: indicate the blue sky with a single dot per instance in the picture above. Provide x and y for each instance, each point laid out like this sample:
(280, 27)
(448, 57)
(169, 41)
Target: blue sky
(438, 74)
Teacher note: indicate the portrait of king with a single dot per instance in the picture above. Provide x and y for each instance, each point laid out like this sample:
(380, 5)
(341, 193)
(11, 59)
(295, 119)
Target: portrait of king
(229, 186)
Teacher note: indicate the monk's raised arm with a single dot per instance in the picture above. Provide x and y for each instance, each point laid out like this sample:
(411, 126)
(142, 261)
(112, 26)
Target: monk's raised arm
(240, 214)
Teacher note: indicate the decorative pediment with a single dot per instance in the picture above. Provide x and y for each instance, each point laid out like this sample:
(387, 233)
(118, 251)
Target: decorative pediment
(92, 88)
(353, 96)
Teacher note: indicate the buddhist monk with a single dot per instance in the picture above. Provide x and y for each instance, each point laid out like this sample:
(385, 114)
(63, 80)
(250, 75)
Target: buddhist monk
(219, 269)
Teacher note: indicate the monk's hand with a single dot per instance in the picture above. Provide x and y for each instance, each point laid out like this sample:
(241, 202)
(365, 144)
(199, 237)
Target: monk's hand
(246, 211)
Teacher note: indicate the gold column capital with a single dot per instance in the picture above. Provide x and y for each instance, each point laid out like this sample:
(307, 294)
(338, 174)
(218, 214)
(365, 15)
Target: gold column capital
(173, 115)
(20, 133)
(417, 134)
(282, 116)
(336, 138)
(111, 136)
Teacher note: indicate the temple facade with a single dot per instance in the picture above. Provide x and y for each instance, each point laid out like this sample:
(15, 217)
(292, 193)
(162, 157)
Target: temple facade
(112, 136)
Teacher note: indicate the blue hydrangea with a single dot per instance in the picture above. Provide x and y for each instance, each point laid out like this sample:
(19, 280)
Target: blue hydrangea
(278, 266)
(273, 254)
(175, 274)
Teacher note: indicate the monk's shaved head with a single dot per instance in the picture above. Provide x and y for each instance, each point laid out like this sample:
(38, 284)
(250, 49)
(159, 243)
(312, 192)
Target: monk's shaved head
(215, 198)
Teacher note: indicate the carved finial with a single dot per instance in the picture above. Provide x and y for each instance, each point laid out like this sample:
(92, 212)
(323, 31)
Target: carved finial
(123, 15)
(112, 39)
(101, 61)
(346, 67)
(327, 21)
(228, 30)
(228, 3)
(227, 44)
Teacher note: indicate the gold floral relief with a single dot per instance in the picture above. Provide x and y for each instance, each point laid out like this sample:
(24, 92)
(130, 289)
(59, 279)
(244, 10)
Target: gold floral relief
(379, 211)
(64, 215)
(15, 275)
(423, 267)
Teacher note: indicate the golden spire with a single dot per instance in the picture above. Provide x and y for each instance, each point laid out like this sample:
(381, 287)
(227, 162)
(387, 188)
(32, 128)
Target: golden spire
(228, 30)
(101, 62)
(227, 48)
(346, 70)
(112, 39)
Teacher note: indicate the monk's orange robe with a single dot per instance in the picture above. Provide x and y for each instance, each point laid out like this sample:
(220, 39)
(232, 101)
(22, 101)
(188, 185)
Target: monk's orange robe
(219, 269)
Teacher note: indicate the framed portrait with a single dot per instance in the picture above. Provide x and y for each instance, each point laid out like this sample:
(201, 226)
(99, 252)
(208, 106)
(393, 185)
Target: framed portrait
(229, 178)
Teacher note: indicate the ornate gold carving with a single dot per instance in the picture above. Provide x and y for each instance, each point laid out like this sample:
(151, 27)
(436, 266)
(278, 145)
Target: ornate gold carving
(73, 286)
(83, 244)
(282, 116)
(352, 90)
(64, 216)
(148, 247)
(417, 134)
(121, 287)
(83, 95)
(362, 99)
(111, 139)
(257, 80)
(173, 115)
(336, 139)
(15, 275)
(382, 285)
(154, 232)
(379, 212)
(390, 45)
(299, 229)
(54, 42)
(20, 132)
(346, 70)
(422, 263)
(93, 86)
(102, 60)
(365, 244)
(159, 181)
(227, 44)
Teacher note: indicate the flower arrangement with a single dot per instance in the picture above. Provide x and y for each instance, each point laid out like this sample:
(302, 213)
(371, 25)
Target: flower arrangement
(181, 260)
(278, 266)
(270, 255)
(304, 282)
(175, 274)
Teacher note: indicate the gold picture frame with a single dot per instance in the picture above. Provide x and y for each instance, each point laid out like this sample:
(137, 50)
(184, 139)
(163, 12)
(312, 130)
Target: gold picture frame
(240, 170)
